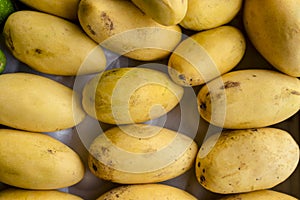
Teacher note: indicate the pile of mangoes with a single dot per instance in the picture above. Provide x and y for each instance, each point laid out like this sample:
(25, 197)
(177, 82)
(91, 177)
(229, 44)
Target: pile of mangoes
(197, 46)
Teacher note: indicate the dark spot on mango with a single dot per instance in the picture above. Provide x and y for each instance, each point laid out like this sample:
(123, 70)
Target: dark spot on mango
(94, 167)
(90, 29)
(202, 178)
(181, 76)
(104, 151)
(199, 164)
(294, 92)
(203, 106)
(107, 21)
(10, 41)
(38, 51)
(110, 72)
(230, 84)
(51, 151)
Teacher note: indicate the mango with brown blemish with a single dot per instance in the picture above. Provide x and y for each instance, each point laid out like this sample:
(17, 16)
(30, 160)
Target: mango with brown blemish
(130, 95)
(206, 55)
(249, 99)
(246, 160)
(122, 27)
(141, 153)
(52, 45)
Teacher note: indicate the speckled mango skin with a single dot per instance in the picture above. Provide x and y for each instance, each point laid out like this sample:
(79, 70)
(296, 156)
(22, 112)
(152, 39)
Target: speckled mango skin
(238, 161)
(249, 99)
(139, 154)
(147, 192)
(122, 27)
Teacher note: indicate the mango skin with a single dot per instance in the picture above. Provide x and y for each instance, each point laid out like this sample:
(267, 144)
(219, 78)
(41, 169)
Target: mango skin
(147, 192)
(206, 55)
(130, 95)
(36, 103)
(207, 14)
(260, 195)
(20, 194)
(123, 28)
(246, 160)
(52, 45)
(165, 12)
(115, 154)
(37, 161)
(64, 8)
(274, 29)
(249, 99)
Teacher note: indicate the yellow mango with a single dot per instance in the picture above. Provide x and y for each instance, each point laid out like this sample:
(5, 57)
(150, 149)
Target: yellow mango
(52, 45)
(140, 153)
(36, 103)
(37, 161)
(122, 27)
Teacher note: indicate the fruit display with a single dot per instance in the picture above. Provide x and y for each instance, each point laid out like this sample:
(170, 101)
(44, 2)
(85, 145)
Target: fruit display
(134, 99)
